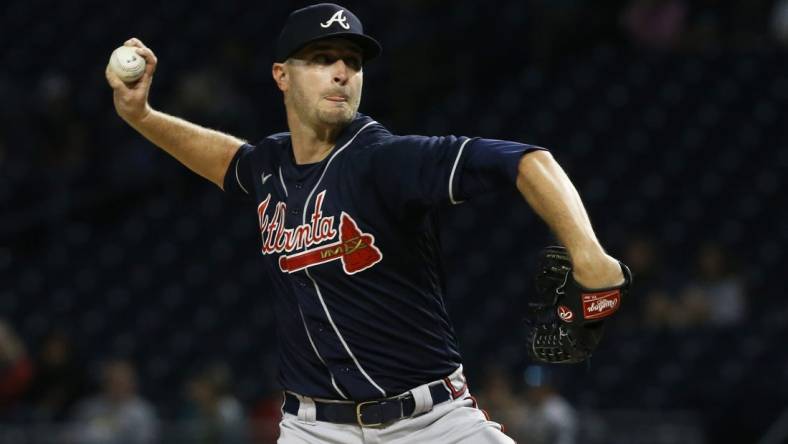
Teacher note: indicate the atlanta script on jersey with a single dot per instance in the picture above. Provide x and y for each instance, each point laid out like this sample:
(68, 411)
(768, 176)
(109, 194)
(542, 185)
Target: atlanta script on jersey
(355, 249)
(352, 257)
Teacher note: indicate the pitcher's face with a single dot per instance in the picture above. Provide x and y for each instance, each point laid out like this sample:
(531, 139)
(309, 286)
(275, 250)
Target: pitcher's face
(323, 82)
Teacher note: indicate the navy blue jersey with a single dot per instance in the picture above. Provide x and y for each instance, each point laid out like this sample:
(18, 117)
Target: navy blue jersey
(351, 250)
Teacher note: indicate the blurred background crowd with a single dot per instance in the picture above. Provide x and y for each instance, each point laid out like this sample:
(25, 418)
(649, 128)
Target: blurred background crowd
(132, 305)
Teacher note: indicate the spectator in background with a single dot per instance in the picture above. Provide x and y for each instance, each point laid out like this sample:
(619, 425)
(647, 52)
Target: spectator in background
(645, 262)
(15, 369)
(504, 403)
(655, 24)
(656, 303)
(780, 22)
(730, 24)
(62, 135)
(716, 296)
(59, 379)
(541, 416)
(265, 416)
(551, 419)
(117, 415)
(214, 415)
(553, 29)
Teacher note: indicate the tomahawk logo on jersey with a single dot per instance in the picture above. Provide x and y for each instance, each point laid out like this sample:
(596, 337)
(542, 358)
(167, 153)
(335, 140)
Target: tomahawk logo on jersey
(350, 247)
(355, 249)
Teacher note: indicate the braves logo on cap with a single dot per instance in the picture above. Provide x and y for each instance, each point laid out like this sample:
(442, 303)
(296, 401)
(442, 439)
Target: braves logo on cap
(338, 17)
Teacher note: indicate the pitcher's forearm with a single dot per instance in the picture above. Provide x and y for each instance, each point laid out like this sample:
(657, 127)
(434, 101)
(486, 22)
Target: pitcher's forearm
(548, 190)
(205, 151)
(551, 194)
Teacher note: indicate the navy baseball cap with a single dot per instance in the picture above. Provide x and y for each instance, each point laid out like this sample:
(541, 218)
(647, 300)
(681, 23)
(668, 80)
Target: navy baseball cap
(322, 21)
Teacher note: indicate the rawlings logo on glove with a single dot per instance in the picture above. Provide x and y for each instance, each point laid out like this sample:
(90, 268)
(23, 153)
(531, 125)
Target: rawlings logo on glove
(566, 320)
(601, 305)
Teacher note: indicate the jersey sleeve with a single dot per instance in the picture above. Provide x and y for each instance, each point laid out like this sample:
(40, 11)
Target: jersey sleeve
(428, 171)
(238, 178)
(487, 165)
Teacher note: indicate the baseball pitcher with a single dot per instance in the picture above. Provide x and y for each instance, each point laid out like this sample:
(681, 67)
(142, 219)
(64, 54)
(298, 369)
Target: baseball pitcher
(346, 212)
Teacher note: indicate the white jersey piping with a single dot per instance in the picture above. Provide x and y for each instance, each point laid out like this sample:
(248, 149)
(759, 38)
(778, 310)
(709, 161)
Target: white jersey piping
(317, 287)
(238, 179)
(282, 180)
(453, 170)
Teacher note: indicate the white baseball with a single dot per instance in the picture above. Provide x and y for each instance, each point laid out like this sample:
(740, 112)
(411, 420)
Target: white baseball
(127, 64)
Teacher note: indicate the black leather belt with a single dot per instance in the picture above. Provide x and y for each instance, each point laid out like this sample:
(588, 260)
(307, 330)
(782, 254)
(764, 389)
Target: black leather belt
(368, 413)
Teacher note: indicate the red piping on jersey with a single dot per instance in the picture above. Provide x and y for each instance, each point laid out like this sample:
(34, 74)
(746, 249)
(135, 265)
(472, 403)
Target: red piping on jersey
(454, 392)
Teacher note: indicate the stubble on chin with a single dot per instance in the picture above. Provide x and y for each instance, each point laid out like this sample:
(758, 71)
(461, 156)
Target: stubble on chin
(337, 116)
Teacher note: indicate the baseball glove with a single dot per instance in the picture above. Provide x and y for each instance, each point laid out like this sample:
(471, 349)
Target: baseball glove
(566, 321)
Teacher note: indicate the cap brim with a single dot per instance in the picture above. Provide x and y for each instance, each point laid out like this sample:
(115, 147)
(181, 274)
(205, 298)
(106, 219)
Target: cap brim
(370, 48)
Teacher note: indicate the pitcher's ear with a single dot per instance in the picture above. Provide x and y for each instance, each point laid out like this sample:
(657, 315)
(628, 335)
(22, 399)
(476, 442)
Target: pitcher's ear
(279, 73)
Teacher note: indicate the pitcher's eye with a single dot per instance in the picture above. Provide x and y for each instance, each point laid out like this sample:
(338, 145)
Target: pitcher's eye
(353, 62)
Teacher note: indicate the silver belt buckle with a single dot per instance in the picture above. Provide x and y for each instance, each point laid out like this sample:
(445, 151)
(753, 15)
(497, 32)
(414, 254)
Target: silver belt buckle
(359, 415)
